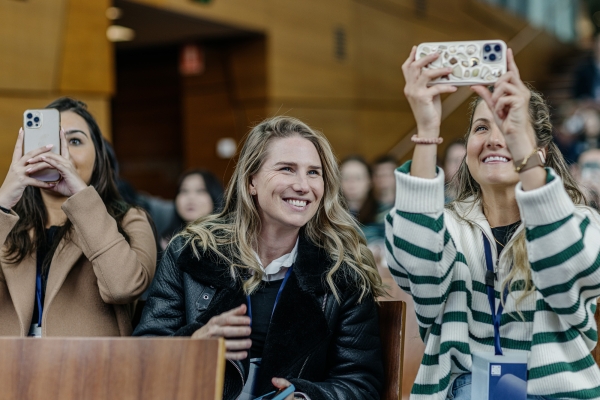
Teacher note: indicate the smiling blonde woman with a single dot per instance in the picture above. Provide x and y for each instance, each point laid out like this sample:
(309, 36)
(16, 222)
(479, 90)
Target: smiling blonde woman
(515, 238)
(281, 273)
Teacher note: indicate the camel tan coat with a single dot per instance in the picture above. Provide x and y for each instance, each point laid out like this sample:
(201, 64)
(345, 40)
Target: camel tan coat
(94, 279)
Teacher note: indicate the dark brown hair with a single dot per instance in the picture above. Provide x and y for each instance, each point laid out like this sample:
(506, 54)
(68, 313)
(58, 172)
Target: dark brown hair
(31, 209)
(368, 210)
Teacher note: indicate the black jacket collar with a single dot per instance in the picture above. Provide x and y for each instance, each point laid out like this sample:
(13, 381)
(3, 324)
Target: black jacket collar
(311, 267)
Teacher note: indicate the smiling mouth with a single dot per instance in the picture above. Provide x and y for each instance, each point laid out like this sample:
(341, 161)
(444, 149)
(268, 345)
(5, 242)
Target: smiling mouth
(495, 159)
(297, 203)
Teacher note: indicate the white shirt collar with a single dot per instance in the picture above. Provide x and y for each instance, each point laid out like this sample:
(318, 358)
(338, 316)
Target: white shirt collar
(277, 269)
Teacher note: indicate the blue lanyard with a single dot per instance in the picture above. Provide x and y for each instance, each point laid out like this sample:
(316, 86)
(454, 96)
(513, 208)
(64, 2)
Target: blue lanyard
(491, 297)
(38, 293)
(287, 275)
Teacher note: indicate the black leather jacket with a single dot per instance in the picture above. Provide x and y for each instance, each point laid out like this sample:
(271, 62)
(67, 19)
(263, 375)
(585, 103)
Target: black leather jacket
(327, 349)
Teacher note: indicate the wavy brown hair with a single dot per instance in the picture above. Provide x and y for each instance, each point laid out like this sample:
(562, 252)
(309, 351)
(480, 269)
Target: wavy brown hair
(468, 190)
(29, 234)
(233, 233)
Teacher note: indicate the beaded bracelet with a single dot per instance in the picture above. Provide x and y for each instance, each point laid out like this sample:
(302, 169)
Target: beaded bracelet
(419, 140)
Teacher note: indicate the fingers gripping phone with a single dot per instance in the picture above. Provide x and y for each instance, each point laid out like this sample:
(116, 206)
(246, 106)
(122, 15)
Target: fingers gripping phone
(278, 395)
(41, 128)
(477, 62)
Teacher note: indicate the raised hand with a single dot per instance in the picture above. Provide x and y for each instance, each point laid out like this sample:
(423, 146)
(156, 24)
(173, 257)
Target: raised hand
(70, 182)
(509, 104)
(231, 325)
(425, 100)
(18, 177)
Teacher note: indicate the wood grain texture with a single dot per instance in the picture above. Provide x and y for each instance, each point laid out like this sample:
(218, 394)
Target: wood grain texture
(30, 43)
(414, 348)
(241, 13)
(118, 368)
(392, 322)
(87, 56)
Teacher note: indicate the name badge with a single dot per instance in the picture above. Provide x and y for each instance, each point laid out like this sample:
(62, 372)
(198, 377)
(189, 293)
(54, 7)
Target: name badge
(499, 377)
(35, 331)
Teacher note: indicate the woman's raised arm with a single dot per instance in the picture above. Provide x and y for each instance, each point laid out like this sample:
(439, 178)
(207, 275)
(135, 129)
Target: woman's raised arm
(426, 106)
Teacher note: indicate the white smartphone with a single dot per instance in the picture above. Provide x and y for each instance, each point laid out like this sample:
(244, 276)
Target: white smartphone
(41, 128)
(476, 62)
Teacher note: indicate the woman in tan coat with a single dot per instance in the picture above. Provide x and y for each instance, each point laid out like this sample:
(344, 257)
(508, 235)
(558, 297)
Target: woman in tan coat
(75, 257)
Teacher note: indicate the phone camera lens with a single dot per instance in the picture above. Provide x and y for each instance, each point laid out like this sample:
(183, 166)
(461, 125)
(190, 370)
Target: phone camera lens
(487, 47)
(29, 123)
(36, 119)
(29, 115)
(492, 57)
(497, 47)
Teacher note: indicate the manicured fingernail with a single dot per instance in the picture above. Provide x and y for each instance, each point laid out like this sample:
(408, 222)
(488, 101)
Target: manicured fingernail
(29, 169)
(49, 146)
(20, 130)
(30, 160)
(43, 158)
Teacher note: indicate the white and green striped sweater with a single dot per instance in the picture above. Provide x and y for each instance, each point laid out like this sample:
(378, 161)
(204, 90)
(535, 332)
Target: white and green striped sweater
(437, 256)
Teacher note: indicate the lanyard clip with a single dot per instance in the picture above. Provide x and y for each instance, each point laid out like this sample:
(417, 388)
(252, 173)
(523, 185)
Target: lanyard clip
(490, 278)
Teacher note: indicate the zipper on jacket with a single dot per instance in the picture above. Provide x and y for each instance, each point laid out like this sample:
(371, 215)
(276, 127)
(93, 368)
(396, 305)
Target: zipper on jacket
(240, 372)
(303, 365)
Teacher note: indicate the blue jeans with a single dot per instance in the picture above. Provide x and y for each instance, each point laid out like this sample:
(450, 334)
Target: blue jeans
(461, 390)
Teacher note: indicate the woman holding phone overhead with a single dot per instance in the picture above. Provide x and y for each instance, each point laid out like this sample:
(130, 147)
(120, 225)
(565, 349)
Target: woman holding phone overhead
(511, 266)
(282, 273)
(75, 257)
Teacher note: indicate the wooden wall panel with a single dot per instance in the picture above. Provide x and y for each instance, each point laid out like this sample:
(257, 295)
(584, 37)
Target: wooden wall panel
(338, 124)
(378, 130)
(147, 119)
(302, 61)
(30, 44)
(87, 63)
(241, 13)
(223, 102)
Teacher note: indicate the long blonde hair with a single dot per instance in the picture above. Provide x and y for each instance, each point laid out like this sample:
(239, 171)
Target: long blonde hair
(233, 233)
(469, 190)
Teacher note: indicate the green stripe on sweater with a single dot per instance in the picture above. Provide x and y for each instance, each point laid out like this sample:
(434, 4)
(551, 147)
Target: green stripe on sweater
(566, 254)
(424, 389)
(506, 343)
(593, 393)
(541, 231)
(567, 286)
(559, 367)
(425, 221)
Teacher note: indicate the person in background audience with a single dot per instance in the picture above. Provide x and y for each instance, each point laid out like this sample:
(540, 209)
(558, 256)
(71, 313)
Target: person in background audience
(357, 189)
(282, 273)
(199, 193)
(384, 189)
(586, 82)
(384, 185)
(588, 175)
(516, 235)
(453, 157)
(75, 256)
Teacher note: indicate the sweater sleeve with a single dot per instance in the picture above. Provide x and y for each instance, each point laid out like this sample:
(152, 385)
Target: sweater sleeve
(419, 249)
(563, 246)
(124, 270)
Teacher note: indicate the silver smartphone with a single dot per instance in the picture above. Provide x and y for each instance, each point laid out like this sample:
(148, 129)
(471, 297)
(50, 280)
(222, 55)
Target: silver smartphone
(41, 128)
(475, 62)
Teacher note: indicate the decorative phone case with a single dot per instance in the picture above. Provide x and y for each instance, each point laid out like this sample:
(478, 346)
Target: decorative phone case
(42, 128)
(473, 62)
